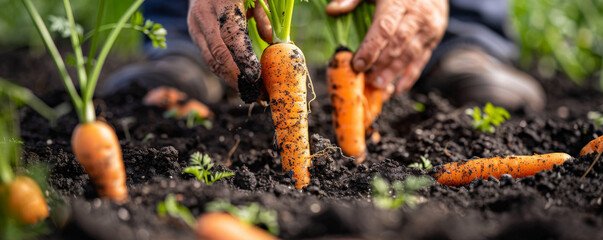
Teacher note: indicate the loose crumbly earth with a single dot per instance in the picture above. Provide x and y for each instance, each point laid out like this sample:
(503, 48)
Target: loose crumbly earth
(554, 204)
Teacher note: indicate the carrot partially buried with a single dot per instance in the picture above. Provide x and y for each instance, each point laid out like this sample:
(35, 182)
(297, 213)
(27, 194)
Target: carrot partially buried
(374, 102)
(94, 143)
(223, 226)
(164, 97)
(97, 149)
(593, 146)
(348, 101)
(284, 74)
(461, 173)
(25, 200)
(172, 99)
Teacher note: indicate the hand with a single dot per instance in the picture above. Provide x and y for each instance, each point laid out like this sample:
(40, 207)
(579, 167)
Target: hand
(400, 40)
(219, 28)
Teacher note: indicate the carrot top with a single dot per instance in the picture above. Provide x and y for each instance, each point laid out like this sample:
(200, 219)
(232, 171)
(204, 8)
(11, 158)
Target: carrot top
(88, 71)
(279, 13)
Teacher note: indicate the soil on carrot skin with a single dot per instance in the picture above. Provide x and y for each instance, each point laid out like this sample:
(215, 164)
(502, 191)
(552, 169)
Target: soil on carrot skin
(554, 204)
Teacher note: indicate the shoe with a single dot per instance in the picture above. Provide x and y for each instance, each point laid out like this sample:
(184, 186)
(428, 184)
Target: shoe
(471, 76)
(177, 71)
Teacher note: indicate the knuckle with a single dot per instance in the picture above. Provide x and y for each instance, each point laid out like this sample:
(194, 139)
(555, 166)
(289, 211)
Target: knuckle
(219, 52)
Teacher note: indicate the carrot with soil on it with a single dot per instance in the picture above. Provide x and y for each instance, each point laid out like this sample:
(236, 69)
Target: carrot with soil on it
(21, 197)
(593, 146)
(346, 88)
(461, 173)
(93, 142)
(348, 101)
(284, 75)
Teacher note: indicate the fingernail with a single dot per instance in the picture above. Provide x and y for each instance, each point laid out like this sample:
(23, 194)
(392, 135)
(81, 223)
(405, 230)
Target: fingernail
(359, 65)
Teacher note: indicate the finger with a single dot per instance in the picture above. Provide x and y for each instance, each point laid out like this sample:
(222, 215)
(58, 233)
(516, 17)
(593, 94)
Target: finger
(412, 72)
(224, 65)
(199, 40)
(384, 73)
(233, 31)
(339, 7)
(388, 14)
(228, 76)
(263, 24)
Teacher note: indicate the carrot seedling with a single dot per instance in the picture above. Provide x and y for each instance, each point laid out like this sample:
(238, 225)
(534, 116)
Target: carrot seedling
(356, 104)
(252, 214)
(200, 166)
(212, 225)
(386, 196)
(491, 117)
(20, 196)
(424, 164)
(94, 143)
(172, 208)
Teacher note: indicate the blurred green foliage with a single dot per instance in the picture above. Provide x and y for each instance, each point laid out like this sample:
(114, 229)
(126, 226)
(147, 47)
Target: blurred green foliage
(17, 30)
(560, 35)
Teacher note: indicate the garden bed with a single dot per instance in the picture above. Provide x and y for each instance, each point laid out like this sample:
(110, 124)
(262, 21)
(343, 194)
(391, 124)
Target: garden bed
(554, 204)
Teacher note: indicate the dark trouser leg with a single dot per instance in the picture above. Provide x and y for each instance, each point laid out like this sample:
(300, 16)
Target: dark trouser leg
(472, 64)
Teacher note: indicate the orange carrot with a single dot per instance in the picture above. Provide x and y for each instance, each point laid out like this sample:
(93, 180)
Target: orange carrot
(374, 99)
(163, 97)
(461, 173)
(348, 101)
(593, 146)
(25, 200)
(223, 226)
(284, 74)
(196, 106)
(97, 149)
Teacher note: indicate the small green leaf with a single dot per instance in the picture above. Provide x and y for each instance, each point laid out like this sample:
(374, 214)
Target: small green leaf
(393, 196)
(249, 4)
(419, 107)
(137, 19)
(200, 166)
(172, 208)
(492, 117)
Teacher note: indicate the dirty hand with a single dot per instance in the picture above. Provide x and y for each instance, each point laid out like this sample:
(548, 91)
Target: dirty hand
(400, 40)
(219, 28)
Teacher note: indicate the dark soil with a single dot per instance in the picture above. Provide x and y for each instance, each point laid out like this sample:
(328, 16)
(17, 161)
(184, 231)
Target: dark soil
(555, 204)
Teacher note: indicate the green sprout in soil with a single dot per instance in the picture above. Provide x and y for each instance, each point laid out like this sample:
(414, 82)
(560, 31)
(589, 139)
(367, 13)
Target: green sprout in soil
(200, 166)
(419, 107)
(424, 164)
(252, 214)
(172, 208)
(596, 117)
(491, 117)
(193, 119)
(386, 196)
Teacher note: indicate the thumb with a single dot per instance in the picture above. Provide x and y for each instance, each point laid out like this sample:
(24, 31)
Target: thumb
(339, 7)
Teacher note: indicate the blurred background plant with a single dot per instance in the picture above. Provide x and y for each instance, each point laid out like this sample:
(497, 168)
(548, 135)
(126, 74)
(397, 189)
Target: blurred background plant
(560, 36)
(17, 31)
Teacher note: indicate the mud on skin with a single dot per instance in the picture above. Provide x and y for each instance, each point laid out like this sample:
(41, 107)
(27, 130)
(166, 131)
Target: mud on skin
(555, 204)
(233, 27)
